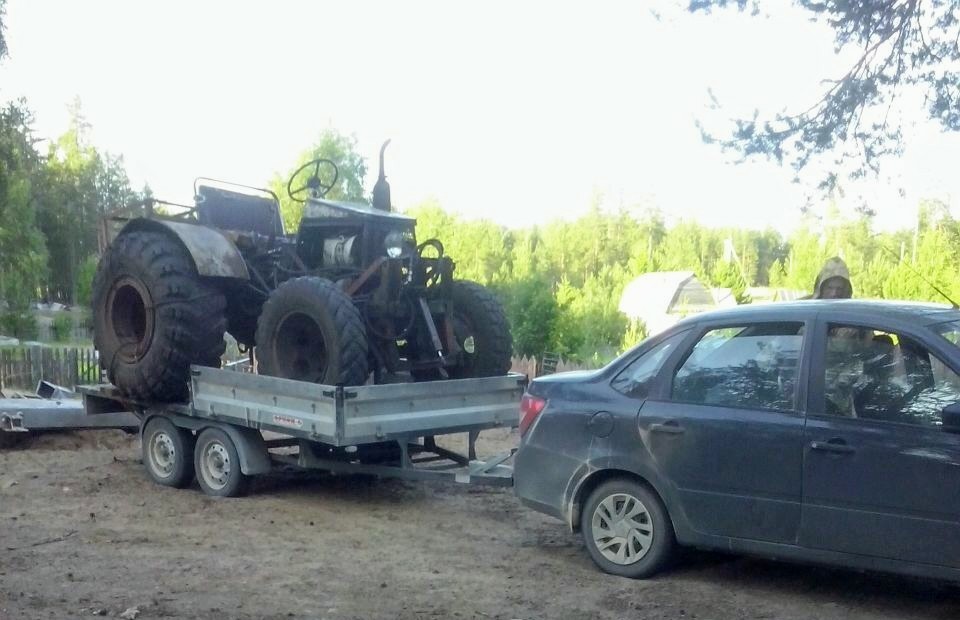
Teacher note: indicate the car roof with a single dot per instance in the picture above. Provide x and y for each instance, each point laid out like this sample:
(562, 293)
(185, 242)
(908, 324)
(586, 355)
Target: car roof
(880, 310)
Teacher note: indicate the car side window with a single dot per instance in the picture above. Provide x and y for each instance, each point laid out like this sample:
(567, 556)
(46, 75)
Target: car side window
(752, 366)
(880, 375)
(636, 379)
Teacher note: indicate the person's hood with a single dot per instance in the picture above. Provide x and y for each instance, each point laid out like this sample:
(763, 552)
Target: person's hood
(833, 268)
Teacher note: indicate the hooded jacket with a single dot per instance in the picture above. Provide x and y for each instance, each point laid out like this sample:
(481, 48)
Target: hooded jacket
(833, 268)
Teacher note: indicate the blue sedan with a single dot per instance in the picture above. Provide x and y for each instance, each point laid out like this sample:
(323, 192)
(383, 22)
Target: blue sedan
(816, 431)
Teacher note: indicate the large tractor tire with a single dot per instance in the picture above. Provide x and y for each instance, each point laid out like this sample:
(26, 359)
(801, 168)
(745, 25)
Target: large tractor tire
(310, 330)
(482, 332)
(154, 317)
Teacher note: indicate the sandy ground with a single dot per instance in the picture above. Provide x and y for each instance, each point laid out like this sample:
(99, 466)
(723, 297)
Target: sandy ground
(84, 533)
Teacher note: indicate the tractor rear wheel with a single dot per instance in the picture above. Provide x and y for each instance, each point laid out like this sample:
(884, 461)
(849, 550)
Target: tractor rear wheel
(154, 316)
(482, 332)
(310, 330)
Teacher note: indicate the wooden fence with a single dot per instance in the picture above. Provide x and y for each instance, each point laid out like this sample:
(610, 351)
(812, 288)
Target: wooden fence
(22, 368)
(532, 368)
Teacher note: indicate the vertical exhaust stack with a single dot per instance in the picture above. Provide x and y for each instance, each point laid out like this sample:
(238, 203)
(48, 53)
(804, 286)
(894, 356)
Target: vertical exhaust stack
(381, 191)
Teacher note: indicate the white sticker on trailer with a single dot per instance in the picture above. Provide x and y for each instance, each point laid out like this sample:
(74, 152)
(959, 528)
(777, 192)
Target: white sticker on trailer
(285, 420)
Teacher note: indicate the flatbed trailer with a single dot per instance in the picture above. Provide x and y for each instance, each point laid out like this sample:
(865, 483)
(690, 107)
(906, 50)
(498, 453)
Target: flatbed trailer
(52, 408)
(237, 425)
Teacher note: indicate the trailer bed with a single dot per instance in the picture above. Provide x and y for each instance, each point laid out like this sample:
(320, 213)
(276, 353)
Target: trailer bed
(385, 430)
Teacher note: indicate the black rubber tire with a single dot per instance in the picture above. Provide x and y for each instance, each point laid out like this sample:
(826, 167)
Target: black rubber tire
(663, 546)
(478, 310)
(236, 483)
(182, 443)
(310, 330)
(154, 316)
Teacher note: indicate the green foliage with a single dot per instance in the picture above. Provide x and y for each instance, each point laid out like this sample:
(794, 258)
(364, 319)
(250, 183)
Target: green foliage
(88, 268)
(78, 185)
(62, 327)
(728, 274)
(561, 284)
(23, 252)
(533, 311)
(19, 324)
(338, 148)
(635, 333)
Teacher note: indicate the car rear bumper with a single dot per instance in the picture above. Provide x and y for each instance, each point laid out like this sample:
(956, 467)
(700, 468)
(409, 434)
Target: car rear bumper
(541, 478)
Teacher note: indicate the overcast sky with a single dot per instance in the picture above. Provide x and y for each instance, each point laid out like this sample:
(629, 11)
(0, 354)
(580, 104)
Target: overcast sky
(519, 112)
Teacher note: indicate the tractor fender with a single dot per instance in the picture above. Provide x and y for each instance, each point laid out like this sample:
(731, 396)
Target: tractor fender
(212, 252)
(251, 449)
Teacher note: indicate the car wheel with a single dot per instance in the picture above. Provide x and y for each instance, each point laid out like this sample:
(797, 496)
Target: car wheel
(627, 530)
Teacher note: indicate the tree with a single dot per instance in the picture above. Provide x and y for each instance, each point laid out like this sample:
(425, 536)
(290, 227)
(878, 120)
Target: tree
(341, 150)
(23, 252)
(3, 42)
(898, 44)
(78, 186)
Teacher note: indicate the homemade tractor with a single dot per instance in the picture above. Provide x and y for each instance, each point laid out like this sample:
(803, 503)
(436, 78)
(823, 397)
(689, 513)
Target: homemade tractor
(352, 296)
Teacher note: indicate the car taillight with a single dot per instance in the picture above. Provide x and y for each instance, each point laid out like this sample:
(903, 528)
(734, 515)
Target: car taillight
(530, 408)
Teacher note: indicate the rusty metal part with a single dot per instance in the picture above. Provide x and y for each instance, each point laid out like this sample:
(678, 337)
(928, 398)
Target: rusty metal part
(212, 252)
(360, 281)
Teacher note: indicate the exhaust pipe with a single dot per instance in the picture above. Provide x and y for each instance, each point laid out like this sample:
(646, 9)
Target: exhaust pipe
(381, 191)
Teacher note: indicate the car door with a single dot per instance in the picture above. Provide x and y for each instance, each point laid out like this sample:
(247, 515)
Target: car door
(726, 431)
(881, 476)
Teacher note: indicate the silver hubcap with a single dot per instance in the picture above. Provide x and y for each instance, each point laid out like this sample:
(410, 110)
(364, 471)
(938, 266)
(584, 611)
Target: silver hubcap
(622, 529)
(215, 465)
(163, 453)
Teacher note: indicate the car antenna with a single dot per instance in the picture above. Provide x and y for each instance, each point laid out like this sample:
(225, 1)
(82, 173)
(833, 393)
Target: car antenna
(381, 191)
(919, 275)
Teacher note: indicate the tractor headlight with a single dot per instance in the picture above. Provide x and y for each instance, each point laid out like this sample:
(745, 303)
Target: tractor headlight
(394, 243)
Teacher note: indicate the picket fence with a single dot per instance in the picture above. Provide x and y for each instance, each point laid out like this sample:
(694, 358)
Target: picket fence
(532, 367)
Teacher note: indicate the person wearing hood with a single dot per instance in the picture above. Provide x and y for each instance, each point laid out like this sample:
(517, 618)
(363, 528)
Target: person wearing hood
(833, 281)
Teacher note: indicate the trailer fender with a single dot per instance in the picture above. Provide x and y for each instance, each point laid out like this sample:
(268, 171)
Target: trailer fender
(212, 252)
(251, 449)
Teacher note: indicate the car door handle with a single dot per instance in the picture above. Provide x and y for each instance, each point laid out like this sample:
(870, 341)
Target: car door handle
(670, 427)
(835, 446)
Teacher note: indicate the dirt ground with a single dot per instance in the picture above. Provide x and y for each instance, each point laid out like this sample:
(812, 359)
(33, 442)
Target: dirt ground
(84, 533)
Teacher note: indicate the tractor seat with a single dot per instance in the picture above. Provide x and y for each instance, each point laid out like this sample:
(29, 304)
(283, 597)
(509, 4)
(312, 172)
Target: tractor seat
(230, 210)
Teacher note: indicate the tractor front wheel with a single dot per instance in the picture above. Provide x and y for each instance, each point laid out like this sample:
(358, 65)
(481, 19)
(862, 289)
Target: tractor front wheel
(482, 332)
(310, 330)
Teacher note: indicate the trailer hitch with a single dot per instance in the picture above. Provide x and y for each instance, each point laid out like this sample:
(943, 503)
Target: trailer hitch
(12, 423)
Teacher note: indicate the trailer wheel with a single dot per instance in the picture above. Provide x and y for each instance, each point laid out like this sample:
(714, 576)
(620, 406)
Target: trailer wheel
(167, 452)
(218, 465)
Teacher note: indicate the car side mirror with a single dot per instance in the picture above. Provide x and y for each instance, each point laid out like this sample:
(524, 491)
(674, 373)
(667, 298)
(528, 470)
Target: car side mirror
(951, 419)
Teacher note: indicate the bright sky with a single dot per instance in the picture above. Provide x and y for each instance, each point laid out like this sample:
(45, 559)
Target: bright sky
(519, 112)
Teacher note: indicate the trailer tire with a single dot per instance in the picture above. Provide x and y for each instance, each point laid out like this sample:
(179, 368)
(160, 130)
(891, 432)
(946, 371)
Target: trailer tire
(310, 330)
(482, 331)
(167, 453)
(218, 465)
(154, 316)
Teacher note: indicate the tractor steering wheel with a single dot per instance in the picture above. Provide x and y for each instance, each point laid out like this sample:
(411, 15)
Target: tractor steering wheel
(313, 187)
